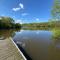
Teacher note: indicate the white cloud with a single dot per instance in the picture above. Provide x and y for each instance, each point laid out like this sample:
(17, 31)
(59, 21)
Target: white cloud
(19, 21)
(24, 14)
(37, 19)
(21, 6)
(16, 9)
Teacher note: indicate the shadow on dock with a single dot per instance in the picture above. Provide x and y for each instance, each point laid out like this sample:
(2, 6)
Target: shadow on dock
(24, 52)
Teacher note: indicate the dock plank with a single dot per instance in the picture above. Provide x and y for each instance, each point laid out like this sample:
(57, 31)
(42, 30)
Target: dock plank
(8, 51)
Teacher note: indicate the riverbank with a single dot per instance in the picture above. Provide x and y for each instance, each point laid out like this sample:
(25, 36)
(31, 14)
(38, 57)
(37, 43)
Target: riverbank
(8, 50)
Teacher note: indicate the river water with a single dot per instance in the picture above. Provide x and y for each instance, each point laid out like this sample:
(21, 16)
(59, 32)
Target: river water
(37, 44)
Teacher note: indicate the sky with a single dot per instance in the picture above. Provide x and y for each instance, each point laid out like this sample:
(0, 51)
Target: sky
(27, 11)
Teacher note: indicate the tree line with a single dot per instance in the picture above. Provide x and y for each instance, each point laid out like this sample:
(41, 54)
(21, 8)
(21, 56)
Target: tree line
(8, 23)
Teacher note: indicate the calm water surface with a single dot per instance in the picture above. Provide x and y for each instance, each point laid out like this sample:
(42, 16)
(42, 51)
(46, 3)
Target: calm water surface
(38, 44)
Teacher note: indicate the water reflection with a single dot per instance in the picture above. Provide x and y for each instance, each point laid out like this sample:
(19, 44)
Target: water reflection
(7, 33)
(38, 44)
(56, 37)
(34, 42)
(54, 48)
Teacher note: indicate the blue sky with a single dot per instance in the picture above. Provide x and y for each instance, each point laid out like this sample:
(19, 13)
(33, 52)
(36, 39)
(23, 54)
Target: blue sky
(26, 11)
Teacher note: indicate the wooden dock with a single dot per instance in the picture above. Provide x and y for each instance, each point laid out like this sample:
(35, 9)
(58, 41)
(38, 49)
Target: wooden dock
(8, 50)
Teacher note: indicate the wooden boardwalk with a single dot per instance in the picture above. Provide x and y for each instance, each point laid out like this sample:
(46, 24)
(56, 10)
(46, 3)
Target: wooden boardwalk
(8, 50)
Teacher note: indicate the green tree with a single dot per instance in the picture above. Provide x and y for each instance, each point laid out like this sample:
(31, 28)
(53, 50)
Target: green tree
(56, 10)
(55, 20)
(7, 22)
(17, 25)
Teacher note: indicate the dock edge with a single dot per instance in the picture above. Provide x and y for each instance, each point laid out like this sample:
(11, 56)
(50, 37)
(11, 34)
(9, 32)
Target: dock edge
(19, 50)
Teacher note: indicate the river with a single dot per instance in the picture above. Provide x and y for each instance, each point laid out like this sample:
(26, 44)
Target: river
(36, 44)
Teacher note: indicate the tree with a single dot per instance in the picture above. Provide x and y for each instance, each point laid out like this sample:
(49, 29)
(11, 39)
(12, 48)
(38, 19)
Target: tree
(56, 10)
(8, 23)
(53, 22)
(17, 25)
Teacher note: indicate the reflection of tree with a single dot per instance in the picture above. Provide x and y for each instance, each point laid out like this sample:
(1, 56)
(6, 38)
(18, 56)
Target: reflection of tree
(53, 52)
(54, 47)
(56, 36)
(7, 33)
(56, 33)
